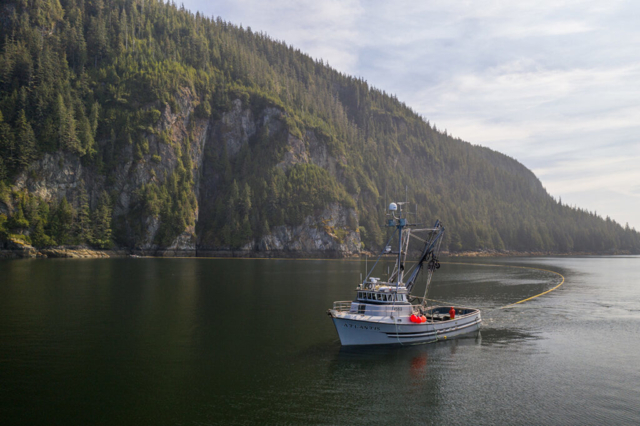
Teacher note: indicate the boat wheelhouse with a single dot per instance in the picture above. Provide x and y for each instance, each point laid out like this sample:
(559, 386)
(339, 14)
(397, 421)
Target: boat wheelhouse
(385, 312)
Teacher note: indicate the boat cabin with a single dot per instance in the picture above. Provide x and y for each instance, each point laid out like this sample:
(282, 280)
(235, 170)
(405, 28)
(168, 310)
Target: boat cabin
(377, 292)
(380, 296)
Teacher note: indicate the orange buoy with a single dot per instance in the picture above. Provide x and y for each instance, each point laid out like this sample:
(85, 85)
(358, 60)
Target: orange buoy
(423, 319)
(414, 318)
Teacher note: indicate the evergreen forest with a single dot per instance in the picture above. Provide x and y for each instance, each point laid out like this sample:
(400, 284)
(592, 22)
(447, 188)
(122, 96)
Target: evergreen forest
(88, 84)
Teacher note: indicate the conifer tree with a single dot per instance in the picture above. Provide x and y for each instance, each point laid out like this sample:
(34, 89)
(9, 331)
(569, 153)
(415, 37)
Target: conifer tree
(102, 230)
(62, 222)
(25, 142)
(85, 135)
(68, 138)
(18, 222)
(97, 38)
(84, 229)
(7, 149)
(38, 236)
(4, 172)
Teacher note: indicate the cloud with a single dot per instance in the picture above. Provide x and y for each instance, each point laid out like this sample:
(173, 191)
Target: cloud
(618, 174)
(538, 115)
(550, 29)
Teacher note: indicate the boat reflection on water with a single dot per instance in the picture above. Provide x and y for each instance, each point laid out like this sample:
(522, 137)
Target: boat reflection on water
(419, 364)
(412, 360)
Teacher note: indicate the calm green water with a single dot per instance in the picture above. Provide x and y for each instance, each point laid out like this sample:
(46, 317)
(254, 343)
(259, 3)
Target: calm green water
(205, 341)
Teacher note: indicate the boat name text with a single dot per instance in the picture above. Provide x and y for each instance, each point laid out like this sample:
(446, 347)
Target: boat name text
(363, 327)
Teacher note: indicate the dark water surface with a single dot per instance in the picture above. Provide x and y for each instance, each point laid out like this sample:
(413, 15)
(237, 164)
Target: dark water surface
(205, 341)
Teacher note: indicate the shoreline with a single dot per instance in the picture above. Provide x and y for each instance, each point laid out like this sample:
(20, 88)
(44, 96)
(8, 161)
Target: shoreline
(18, 250)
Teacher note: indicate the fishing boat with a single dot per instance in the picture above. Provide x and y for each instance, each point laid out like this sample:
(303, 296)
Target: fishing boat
(385, 312)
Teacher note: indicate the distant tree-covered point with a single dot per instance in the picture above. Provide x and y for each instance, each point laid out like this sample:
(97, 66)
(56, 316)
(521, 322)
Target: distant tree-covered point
(93, 83)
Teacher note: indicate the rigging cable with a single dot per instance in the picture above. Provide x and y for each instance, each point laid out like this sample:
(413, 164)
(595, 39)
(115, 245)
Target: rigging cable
(509, 266)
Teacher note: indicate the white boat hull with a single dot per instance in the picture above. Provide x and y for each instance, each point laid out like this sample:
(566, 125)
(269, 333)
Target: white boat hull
(355, 329)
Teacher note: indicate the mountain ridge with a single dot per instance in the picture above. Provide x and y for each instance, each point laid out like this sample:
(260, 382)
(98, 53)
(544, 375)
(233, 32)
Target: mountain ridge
(139, 125)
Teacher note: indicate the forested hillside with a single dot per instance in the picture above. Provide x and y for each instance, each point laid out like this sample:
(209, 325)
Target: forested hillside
(137, 124)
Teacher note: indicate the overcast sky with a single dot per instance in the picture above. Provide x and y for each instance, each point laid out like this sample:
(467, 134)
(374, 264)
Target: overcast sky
(554, 84)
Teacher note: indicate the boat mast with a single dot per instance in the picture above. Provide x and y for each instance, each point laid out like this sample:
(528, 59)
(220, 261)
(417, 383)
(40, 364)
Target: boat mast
(400, 265)
(399, 223)
(401, 226)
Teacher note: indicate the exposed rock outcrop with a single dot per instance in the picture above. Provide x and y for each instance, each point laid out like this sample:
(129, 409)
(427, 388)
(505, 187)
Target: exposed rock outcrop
(77, 253)
(332, 232)
(53, 177)
(328, 233)
(16, 249)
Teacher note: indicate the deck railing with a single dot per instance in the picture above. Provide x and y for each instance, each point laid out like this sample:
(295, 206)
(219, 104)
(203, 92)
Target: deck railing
(345, 305)
(342, 306)
(438, 313)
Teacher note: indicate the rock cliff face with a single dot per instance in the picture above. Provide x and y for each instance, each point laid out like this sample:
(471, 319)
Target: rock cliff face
(332, 232)
(55, 176)
(327, 233)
